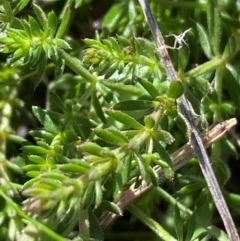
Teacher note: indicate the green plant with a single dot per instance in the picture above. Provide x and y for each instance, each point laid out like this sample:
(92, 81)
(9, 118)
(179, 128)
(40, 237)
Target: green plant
(111, 116)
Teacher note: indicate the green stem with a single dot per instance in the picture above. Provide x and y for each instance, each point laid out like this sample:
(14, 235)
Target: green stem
(216, 148)
(76, 65)
(83, 224)
(153, 225)
(206, 67)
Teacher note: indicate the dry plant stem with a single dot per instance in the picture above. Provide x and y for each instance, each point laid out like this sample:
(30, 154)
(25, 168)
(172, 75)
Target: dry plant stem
(179, 159)
(187, 111)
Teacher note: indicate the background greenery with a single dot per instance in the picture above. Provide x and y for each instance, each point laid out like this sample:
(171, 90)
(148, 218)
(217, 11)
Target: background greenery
(86, 110)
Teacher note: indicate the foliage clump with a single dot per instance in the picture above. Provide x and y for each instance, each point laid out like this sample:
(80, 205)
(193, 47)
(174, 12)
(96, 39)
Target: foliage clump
(109, 117)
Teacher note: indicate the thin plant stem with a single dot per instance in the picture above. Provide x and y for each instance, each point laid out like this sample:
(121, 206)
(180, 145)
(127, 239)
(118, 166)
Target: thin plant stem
(217, 112)
(153, 225)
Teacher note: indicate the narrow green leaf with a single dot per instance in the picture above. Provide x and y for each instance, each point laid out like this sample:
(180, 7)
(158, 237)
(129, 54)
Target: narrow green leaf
(18, 53)
(165, 157)
(183, 57)
(91, 148)
(34, 191)
(80, 162)
(108, 44)
(191, 227)
(37, 56)
(143, 171)
(160, 163)
(78, 130)
(49, 50)
(126, 169)
(118, 186)
(131, 133)
(36, 31)
(18, 139)
(18, 36)
(27, 28)
(125, 119)
(52, 23)
(58, 102)
(32, 167)
(42, 134)
(104, 65)
(85, 121)
(20, 6)
(229, 19)
(88, 196)
(61, 177)
(95, 44)
(132, 12)
(153, 176)
(214, 25)
(45, 119)
(231, 148)
(60, 66)
(61, 44)
(97, 107)
(108, 154)
(112, 69)
(191, 188)
(33, 174)
(129, 89)
(149, 87)
(96, 232)
(64, 23)
(36, 159)
(230, 48)
(233, 88)
(132, 105)
(41, 17)
(40, 72)
(125, 42)
(35, 149)
(98, 193)
(205, 207)
(111, 207)
(204, 40)
(17, 60)
(178, 223)
(115, 44)
(78, 4)
(163, 136)
(43, 144)
(7, 7)
(111, 136)
(76, 168)
(112, 17)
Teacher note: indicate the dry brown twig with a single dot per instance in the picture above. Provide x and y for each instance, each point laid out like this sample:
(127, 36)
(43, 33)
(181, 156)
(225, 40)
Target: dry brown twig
(179, 158)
